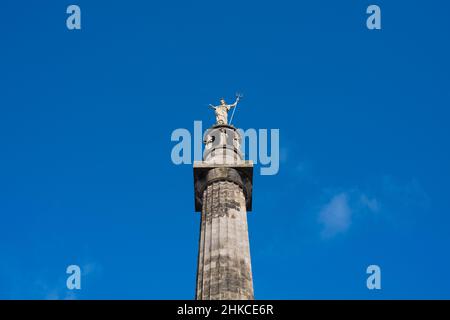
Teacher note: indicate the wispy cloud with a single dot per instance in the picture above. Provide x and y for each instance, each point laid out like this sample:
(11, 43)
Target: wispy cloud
(336, 215)
(408, 194)
(393, 199)
(371, 203)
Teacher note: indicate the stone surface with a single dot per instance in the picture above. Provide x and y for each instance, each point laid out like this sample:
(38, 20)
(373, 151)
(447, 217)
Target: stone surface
(224, 267)
(202, 177)
(223, 194)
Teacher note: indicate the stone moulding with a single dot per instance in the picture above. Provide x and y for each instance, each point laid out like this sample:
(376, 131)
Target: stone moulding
(206, 173)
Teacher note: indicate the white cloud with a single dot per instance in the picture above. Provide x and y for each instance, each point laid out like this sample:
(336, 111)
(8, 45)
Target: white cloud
(335, 216)
(370, 203)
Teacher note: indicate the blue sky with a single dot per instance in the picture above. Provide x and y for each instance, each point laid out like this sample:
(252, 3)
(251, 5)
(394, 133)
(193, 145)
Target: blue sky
(86, 117)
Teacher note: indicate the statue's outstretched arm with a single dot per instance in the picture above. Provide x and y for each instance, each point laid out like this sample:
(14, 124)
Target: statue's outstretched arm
(212, 107)
(235, 103)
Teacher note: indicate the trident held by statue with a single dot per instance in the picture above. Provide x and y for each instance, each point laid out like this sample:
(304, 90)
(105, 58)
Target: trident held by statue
(238, 97)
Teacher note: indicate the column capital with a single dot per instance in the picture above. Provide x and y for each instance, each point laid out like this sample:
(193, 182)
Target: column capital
(206, 173)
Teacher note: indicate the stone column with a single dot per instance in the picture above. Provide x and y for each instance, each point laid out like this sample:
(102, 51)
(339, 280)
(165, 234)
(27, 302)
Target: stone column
(223, 195)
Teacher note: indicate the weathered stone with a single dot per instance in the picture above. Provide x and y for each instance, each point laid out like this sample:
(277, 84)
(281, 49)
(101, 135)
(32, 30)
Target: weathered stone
(223, 194)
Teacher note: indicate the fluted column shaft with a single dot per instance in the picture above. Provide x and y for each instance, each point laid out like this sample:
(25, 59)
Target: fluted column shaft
(224, 267)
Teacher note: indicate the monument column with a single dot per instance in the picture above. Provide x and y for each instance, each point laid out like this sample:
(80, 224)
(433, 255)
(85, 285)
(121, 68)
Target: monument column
(223, 195)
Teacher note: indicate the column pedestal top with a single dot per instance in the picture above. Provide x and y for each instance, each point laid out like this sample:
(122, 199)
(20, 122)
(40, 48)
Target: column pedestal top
(243, 168)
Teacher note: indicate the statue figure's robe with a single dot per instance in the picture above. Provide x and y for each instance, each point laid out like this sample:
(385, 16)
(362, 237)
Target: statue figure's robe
(222, 113)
